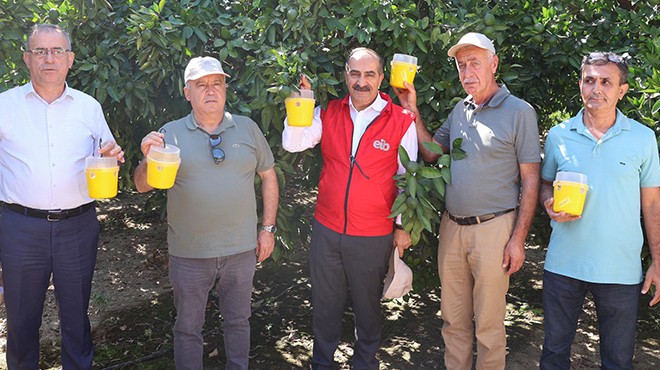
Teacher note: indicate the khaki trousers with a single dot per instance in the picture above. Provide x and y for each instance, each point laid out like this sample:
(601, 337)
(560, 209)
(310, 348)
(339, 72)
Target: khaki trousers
(473, 287)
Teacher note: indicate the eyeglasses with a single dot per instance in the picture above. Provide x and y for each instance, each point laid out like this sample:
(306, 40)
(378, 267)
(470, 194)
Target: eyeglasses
(43, 52)
(217, 153)
(611, 57)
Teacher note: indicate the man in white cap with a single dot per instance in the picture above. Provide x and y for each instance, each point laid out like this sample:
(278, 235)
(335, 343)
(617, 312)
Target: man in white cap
(212, 214)
(490, 203)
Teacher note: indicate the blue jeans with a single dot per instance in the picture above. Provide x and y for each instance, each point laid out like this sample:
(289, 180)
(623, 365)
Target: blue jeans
(192, 280)
(616, 310)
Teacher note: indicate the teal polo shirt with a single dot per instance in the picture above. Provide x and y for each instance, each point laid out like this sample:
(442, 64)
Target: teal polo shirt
(604, 245)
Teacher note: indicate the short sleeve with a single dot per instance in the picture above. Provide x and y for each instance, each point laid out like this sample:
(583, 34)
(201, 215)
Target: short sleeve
(549, 167)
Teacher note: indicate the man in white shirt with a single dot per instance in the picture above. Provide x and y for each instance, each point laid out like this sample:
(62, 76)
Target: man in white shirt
(352, 236)
(49, 223)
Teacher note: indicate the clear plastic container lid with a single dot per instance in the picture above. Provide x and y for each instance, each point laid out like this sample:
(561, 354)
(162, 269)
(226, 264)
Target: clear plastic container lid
(571, 176)
(167, 153)
(404, 58)
(304, 94)
(101, 162)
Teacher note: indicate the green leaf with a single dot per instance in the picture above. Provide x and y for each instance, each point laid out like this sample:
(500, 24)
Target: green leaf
(433, 147)
(439, 184)
(444, 161)
(456, 152)
(429, 172)
(187, 32)
(412, 186)
(113, 93)
(446, 174)
(403, 154)
(398, 211)
(656, 108)
(200, 34)
(400, 199)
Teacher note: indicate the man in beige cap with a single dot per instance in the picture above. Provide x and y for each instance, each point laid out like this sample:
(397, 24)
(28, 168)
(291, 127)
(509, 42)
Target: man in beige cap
(490, 203)
(212, 214)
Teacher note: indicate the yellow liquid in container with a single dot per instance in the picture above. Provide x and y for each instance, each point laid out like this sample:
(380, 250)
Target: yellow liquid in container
(102, 182)
(299, 111)
(569, 197)
(161, 175)
(401, 72)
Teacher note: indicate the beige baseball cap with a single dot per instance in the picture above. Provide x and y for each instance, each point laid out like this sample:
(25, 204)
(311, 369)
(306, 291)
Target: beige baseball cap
(202, 66)
(472, 39)
(398, 280)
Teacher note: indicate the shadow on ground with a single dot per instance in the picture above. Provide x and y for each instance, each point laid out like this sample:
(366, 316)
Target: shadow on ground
(282, 338)
(132, 312)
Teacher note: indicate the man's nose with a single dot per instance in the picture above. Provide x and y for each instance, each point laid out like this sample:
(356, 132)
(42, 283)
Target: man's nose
(362, 81)
(49, 57)
(598, 88)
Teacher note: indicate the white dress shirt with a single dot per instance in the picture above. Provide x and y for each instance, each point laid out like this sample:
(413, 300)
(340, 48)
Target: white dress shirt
(296, 139)
(43, 147)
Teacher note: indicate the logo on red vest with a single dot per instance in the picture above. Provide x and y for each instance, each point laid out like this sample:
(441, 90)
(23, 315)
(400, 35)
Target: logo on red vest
(382, 145)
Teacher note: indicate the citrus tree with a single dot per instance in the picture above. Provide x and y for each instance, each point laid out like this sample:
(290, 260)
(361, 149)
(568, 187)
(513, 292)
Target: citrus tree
(130, 55)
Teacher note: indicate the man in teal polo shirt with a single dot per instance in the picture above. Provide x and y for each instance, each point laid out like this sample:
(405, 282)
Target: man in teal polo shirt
(599, 251)
(212, 214)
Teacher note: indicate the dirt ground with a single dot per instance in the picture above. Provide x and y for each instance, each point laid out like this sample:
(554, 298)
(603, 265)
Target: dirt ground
(132, 315)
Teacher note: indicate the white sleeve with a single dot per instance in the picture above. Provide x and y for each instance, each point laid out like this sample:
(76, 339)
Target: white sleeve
(297, 139)
(409, 143)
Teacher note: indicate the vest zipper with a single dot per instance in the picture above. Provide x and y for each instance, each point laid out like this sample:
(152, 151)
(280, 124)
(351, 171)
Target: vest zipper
(353, 162)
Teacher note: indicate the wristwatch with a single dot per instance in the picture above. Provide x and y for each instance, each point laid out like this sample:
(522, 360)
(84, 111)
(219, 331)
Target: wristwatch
(269, 228)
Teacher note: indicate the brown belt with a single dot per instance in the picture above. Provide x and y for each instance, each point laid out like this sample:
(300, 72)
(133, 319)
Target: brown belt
(473, 220)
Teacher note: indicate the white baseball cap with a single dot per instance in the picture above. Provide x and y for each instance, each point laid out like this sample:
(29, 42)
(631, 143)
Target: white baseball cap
(202, 66)
(398, 280)
(472, 39)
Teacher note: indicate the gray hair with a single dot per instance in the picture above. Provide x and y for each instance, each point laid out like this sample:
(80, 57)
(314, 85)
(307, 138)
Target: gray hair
(47, 28)
(381, 62)
(599, 58)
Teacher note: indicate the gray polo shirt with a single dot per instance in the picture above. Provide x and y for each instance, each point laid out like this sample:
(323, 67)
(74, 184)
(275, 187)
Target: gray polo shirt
(497, 137)
(211, 209)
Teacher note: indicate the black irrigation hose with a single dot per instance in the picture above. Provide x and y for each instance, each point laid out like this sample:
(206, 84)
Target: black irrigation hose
(160, 353)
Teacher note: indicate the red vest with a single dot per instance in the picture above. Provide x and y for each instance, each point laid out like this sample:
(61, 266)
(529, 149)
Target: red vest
(356, 194)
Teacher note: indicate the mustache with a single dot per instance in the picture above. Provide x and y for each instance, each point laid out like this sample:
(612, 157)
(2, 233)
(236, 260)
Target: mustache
(470, 80)
(357, 87)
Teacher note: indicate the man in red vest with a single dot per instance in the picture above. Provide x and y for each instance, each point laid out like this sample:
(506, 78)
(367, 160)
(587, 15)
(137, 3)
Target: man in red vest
(352, 237)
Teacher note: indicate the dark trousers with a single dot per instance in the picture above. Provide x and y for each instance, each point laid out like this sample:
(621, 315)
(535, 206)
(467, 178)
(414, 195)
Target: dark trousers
(616, 310)
(340, 262)
(31, 249)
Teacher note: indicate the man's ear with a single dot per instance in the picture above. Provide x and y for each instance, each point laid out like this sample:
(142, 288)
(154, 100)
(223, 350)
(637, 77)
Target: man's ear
(623, 89)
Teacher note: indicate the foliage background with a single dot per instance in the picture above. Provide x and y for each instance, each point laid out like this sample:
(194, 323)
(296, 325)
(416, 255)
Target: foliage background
(130, 55)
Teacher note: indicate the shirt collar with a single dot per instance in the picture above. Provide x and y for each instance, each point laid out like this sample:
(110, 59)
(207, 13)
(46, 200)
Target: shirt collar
(227, 122)
(28, 89)
(495, 100)
(378, 105)
(621, 123)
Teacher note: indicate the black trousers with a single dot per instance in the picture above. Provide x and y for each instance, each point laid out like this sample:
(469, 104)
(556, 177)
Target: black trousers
(339, 264)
